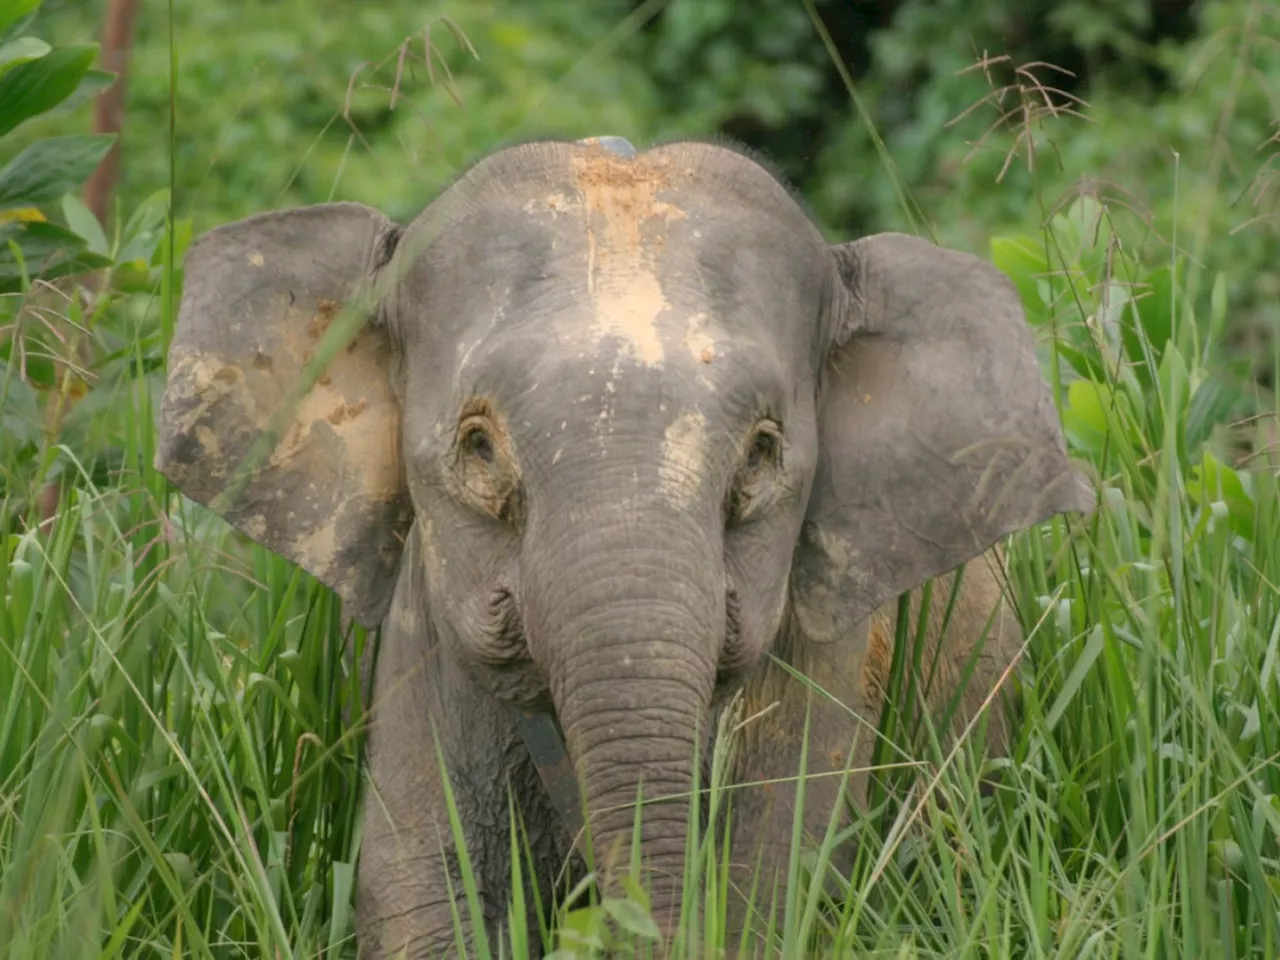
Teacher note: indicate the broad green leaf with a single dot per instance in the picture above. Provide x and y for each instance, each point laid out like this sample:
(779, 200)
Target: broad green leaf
(144, 229)
(131, 277)
(11, 11)
(1212, 481)
(29, 89)
(39, 371)
(21, 421)
(1083, 359)
(1097, 418)
(92, 84)
(48, 250)
(1083, 233)
(635, 891)
(1148, 326)
(632, 917)
(81, 219)
(22, 50)
(585, 928)
(1215, 402)
(50, 168)
(1084, 418)
(1021, 259)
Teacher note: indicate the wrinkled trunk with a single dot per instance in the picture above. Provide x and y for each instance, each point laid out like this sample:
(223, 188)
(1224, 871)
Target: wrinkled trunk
(629, 623)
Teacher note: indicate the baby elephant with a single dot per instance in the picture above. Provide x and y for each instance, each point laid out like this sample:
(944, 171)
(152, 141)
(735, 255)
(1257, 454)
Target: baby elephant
(620, 425)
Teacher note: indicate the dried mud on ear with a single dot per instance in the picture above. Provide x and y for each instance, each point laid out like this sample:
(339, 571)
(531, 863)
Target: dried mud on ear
(329, 496)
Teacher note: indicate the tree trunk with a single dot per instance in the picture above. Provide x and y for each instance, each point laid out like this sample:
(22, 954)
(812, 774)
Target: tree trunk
(117, 44)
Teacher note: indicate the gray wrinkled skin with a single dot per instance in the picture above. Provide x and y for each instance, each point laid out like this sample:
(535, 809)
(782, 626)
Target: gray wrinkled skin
(623, 423)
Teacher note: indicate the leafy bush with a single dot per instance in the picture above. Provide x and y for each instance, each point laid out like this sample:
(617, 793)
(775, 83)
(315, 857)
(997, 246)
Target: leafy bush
(34, 79)
(293, 110)
(68, 353)
(300, 108)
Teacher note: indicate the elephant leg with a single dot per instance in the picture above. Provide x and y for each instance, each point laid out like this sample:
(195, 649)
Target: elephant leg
(410, 882)
(410, 891)
(855, 673)
(983, 628)
(775, 707)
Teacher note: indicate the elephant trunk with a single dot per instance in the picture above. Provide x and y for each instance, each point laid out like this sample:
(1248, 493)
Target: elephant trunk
(635, 631)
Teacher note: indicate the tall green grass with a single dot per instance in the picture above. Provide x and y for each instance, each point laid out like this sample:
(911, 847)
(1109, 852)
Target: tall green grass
(180, 732)
(175, 773)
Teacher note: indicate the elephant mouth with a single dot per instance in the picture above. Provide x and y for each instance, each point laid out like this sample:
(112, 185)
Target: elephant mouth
(500, 649)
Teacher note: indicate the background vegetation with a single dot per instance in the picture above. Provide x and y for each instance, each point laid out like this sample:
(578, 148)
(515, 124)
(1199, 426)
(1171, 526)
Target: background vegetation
(175, 774)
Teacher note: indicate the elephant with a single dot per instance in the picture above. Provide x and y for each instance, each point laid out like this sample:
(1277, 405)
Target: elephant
(617, 438)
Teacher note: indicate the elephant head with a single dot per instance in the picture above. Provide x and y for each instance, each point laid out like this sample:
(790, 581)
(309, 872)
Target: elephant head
(632, 414)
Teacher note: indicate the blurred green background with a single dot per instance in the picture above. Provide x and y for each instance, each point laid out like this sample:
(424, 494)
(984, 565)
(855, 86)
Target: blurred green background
(288, 102)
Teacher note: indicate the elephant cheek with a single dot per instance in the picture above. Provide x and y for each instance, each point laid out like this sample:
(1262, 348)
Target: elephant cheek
(775, 608)
(438, 579)
(428, 551)
(759, 602)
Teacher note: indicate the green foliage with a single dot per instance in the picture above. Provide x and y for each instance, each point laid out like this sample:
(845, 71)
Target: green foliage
(50, 168)
(1194, 161)
(1133, 348)
(33, 83)
(161, 770)
(959, 89)
(34, 79)
(65, 361)
(280, 115)
(285, 114)
(13, 10)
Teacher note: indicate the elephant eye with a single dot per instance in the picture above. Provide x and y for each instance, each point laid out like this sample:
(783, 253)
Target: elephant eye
(487, 475)
(478, 443)
(754, 487)
(765, 447)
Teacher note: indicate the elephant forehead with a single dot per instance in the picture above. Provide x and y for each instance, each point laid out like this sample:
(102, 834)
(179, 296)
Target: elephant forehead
(574, 373)
(604, 252)
(615, 217)
(675, 264)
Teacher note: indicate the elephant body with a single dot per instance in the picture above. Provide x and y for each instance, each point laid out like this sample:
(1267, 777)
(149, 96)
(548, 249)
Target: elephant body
(603, 436)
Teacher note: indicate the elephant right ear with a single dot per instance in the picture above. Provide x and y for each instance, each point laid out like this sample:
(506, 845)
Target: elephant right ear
(937, 432)
(327, 489)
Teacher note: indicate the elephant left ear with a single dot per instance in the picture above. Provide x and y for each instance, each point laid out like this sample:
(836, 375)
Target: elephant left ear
(319, 482)
(937, 432)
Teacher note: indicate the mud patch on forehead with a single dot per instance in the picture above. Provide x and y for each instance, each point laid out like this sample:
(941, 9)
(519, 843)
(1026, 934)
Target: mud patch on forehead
(628, 310)
(624, 194)
(626, 228)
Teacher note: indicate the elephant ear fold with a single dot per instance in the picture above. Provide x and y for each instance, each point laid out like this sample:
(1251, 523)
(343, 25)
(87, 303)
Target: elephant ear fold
(937, 432)
(324, 485)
